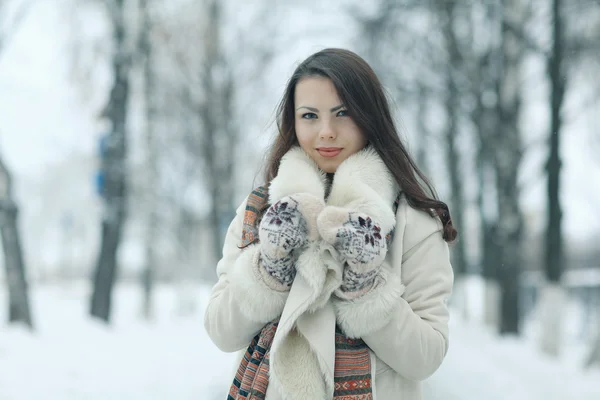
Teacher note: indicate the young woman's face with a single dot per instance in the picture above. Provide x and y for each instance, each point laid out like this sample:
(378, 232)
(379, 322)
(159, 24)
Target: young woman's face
(324, 129)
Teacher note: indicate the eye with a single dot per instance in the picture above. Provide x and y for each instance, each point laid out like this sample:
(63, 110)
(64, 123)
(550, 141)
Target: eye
(342, 113)
(309, 115)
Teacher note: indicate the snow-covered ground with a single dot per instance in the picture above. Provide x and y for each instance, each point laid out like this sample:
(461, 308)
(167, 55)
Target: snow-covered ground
(481, 366)
(70, 357)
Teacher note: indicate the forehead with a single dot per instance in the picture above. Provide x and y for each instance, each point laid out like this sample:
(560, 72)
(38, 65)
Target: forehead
(315, 90)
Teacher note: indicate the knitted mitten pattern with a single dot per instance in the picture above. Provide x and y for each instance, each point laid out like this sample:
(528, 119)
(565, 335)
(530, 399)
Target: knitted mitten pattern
(283, 230)
(360, 242)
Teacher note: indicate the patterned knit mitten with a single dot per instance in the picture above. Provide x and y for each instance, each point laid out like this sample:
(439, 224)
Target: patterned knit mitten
(284, 230)
(360, 242)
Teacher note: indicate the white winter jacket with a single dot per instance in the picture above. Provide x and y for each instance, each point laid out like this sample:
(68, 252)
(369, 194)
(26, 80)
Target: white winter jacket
(404, 322)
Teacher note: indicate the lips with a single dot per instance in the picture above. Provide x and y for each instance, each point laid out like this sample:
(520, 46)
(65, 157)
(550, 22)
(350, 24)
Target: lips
(329, 152)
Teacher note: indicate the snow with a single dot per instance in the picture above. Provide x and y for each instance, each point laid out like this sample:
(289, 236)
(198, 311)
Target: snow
(479, 365)
(70, 357)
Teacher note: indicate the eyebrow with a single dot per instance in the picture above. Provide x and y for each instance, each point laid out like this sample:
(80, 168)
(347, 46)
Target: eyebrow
(334, 109)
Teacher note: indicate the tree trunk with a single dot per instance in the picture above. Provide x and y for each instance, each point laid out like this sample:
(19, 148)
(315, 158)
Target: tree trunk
(486, 122)
(219, 138)
(552, 299)
(593, 358)
(114, 168)
(422, 130)
(150, 189)
(452, 155)
(18, 298)
(490, 274)
(486, 119)
(507, 160)
(186, 295)
(16, 277)
(554, 243)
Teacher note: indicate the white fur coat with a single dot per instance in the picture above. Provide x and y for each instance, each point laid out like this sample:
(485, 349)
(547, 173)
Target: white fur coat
(404, 321)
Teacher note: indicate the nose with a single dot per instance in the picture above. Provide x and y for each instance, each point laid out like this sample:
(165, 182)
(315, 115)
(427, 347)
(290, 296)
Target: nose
(327, 131)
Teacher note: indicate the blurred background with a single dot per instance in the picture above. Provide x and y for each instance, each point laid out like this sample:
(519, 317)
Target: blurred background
(130, 131)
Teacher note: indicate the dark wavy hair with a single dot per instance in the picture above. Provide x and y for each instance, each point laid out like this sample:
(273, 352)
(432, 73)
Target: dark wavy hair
(363, 95)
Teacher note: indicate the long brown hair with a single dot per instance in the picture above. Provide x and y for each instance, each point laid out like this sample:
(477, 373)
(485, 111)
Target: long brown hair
(363, 95)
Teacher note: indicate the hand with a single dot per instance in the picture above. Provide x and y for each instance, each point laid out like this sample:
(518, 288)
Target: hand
(285, 229)
(360, 242)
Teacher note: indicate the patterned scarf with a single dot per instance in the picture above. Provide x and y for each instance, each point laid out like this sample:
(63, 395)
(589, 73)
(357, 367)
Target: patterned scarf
(352, 374)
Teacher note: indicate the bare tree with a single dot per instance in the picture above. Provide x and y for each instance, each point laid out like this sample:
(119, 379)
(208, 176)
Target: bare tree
(580, 52)
(213, 111)
(215, 76)
(570, 46)
(485, 89)
(553, 295)
(379, 35)
(152, 148)
(454, 71)
(14, 264)
(509, 153)
(478, 89)
(494, 74)
(433, 72)
(16, 280)
(113, 165)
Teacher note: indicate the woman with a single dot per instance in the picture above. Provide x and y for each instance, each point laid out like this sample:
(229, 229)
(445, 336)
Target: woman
(335, 274)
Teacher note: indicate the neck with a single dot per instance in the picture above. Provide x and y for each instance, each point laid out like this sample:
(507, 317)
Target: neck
(329, 177)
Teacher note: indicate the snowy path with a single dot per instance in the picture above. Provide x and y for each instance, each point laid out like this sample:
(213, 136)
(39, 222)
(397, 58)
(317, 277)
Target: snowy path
(72, 358)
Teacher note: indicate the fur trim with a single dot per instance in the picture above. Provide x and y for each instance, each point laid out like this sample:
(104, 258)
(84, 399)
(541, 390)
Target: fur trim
(321, 270)
(313, 326)
(333, 277)
(290, 381)
(297, 173)
(256, 300)
(310, 207)
(363, 183)
(296, 370)
(306, 288)
(310, 266)
(330, 221)
(372, 311)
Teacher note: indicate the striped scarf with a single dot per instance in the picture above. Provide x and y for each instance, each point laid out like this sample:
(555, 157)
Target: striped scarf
(352, 374)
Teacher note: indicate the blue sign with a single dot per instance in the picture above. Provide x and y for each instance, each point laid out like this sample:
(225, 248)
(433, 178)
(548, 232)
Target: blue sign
(102, 144)
(100, 183)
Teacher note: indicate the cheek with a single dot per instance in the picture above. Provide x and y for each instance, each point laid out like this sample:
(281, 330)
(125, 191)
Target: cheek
(358, 138)
(303, 134)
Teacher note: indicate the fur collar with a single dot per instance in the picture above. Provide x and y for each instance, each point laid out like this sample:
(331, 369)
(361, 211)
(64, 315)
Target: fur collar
(362, 182)
(360, 179)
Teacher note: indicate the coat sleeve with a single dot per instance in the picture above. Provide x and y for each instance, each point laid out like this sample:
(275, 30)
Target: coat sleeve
(240, 303)
(405, 320)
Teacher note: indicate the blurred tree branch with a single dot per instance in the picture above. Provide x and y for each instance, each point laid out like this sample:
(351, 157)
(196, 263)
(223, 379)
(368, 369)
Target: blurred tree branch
(529, 42)
(9, 28)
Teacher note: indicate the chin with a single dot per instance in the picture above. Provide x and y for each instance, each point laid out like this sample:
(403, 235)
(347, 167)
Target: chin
(329, 168)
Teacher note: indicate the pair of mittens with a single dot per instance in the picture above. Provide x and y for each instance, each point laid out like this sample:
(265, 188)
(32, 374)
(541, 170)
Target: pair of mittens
(292, 222)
